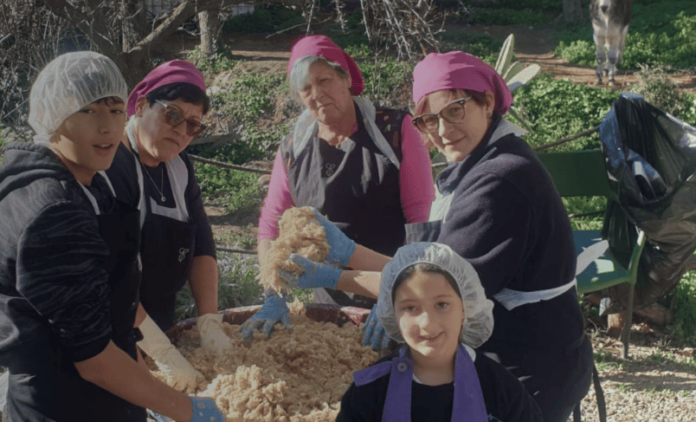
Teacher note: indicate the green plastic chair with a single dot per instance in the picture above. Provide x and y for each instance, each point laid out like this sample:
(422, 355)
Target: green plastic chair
(582, 173)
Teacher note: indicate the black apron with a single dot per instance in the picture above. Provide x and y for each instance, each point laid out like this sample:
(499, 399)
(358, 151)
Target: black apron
(167, 248)
(355, 185)
(556, 387)
(45, 385)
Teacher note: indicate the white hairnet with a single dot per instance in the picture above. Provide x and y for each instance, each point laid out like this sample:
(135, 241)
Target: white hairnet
(478, 311)
(68, 83)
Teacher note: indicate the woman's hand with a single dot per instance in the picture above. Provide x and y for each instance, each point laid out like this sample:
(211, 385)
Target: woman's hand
(342, 247)
(212, 335)
(314, 274)
(274, 310)
(204, 410)
(373, 332)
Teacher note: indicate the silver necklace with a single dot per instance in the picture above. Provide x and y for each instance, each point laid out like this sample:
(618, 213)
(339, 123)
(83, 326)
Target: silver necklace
(161, 188)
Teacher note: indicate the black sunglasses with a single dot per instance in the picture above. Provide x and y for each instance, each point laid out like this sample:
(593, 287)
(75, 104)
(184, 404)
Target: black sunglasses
(173, 117)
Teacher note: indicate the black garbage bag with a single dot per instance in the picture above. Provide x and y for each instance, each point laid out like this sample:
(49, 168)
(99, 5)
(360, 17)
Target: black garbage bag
(651, 163)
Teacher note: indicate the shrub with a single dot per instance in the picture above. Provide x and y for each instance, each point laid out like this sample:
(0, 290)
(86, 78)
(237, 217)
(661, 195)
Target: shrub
(682, 303)
(264, 19)
(508, 17)
(211, 64)
(559, 108)
(237, 286)
(539, 5)
(661, 92)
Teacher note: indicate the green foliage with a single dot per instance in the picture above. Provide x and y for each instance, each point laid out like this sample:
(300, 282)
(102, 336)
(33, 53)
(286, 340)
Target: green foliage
(237, 286)
(584, 205)
(354, 35)
(537, 5)
(661, 92)
(247, 101)
(578, 51)
(265, 18)
(237, 190)
(661, 33)
(682, 301)
(605, 359)
(559, 108)
(383, 78)
(482, 46)
(505, 16)
(211, 64)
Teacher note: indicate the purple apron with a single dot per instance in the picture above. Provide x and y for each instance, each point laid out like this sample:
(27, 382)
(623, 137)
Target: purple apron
(468, 404)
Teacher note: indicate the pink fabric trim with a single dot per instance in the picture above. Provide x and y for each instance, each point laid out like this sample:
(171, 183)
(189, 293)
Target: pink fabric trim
(415, 176)
(277, 201)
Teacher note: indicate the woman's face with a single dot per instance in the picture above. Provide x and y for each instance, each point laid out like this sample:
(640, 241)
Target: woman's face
(458, 140)
(87, 140)
(430, 315)
(157, 140)
(327, 94)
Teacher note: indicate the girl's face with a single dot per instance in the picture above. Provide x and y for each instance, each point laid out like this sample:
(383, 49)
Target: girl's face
(458, 140)
(430, 315)
(157, 140)
(327, 95)
(87, 140)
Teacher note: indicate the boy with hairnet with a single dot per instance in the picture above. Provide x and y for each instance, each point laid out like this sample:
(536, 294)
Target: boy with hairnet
(68, 266)
(432, 300)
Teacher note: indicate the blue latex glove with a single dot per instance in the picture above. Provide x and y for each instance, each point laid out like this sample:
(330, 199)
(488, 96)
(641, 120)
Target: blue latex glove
(274, 310)
(341, 246)
(314, 274)
(373, 332)
(204, 410)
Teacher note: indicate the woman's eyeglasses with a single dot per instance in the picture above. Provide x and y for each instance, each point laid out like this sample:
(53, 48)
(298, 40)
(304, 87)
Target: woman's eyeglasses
(452, 113)
(173, 117)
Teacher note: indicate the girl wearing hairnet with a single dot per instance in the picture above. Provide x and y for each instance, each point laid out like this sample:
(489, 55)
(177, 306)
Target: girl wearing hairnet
(431, 299)
(68, 267)
(498, 208)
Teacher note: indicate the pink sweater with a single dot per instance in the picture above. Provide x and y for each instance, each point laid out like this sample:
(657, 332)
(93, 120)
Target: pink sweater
(415, 177)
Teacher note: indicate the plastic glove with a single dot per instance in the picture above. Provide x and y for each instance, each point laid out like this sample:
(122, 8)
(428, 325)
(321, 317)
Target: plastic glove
(341, 246)
(204, 410)
(373, 332)
(212, 335)
(314, 274)
(274, 310)
(179, 372)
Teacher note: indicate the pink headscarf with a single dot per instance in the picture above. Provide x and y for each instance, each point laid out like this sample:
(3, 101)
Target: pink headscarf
(165, 74)
(320, 45)
(459, 70)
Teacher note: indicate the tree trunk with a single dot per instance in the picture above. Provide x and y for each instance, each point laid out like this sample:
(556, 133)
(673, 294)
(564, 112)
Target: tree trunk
(572, 10)
(209, 23)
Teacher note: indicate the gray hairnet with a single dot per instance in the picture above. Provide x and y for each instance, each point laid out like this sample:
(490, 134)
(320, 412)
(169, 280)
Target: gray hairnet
(478, 311)
(68, 83)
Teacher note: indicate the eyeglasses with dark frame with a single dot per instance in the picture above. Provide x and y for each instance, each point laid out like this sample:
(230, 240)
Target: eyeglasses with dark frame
(452, 113)
(173, 117)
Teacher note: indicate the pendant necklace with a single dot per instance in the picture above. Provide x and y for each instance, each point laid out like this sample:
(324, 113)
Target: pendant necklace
(161, 188)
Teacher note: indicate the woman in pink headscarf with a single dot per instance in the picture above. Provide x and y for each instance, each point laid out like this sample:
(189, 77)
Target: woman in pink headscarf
(498, 209)
(366, 169)
(152, 172)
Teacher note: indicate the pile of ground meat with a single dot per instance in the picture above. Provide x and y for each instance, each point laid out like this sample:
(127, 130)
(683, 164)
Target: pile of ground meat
(299, 232)
(291, 377)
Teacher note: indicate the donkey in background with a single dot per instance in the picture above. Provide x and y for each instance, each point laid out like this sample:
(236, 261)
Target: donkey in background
(610, 19)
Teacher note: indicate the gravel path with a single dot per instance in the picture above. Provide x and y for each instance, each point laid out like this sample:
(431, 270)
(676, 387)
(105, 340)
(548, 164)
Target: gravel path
(657, 383)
